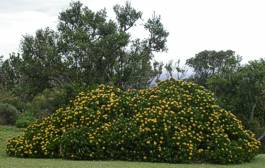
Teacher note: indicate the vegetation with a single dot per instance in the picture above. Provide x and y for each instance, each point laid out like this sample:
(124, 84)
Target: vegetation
(173, 122)
(85, 42)
(7, 132)
(46, 102)
(88, 49)
(209, 63)
(243, 92)
(10, 98)
(24, 120)
(8, 114)
(239, 88)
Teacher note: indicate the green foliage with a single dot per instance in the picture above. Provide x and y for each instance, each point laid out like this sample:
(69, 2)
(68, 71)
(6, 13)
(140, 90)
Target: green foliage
(47, 102)
(9, 98)
(9, 72)
(75, 142)
(7, 132)
(1, 72)
(8, 114)
(208, 63)
(37, 67)
(89, 49)
(102, 51)
(243, 92)
(174, 122)
(24, 120)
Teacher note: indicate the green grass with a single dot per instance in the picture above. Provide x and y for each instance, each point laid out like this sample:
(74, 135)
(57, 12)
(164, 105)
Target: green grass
(7, 132)
(10, 162)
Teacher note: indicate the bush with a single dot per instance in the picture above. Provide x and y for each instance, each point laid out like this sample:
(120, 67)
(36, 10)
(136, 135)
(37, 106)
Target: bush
(174, 122)
(46, 103)
(8, 114)
(9, 98)
(24, 120)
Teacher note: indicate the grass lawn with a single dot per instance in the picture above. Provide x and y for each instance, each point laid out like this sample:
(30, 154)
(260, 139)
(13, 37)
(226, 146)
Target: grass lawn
(9, 162)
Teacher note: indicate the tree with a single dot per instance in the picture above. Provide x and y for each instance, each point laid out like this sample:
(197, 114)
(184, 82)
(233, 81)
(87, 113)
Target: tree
(1, 72)
(169, 68)
(208, 63)
(88, 49)
(37, 67)
(175, 70)
(1, 60)
(243, 92)
(10, 71)
(251, 90)
(99, 50)
(180, 71)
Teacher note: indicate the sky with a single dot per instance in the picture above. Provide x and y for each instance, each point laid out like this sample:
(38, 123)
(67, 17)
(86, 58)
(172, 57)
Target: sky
(193, 25)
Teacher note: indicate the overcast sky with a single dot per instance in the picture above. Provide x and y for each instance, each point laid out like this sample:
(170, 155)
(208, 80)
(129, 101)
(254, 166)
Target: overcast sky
(194, 25)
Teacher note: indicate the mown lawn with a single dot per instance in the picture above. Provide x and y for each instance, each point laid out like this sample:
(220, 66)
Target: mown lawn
(9, 162)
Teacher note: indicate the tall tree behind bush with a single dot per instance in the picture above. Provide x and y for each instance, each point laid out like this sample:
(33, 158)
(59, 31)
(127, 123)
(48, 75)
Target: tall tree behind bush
(243, 92)
(208, 63)
(101, 50)
(88, 49)
(238, 88)
(37, 67)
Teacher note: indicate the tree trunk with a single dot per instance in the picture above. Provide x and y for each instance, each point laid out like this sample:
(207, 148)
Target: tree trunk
(252, 111)
(262, 136)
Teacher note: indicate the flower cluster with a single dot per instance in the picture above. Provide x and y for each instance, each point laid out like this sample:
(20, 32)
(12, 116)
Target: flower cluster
(176, 121)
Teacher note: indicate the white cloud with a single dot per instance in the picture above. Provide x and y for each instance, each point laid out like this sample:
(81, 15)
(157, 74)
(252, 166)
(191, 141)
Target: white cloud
(49, 7)
(14, 25)
(193, 25)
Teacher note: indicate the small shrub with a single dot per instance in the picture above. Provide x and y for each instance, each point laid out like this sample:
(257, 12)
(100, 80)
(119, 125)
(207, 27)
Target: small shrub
(8, 114)
(10, 98)
(24, 120)
(47, 102)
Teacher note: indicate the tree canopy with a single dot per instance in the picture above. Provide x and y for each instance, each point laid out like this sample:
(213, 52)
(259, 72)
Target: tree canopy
(208, 63)
(88, 48)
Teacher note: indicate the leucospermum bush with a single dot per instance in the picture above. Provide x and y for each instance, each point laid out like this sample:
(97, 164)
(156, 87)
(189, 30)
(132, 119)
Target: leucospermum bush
(176, 121)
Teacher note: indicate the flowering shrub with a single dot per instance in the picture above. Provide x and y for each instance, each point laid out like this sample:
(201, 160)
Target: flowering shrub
(176, 121)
